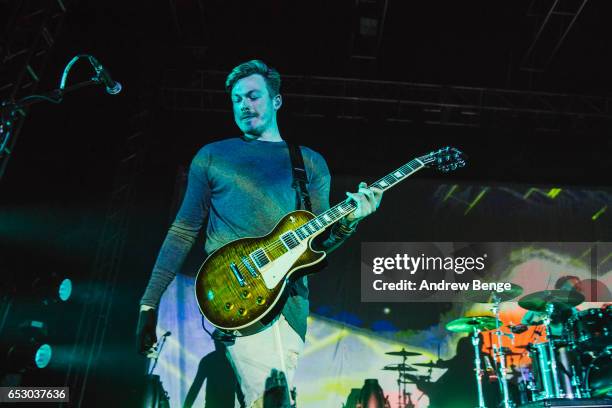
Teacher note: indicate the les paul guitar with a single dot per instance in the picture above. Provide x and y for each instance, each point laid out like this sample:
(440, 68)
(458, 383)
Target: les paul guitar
(239, 287)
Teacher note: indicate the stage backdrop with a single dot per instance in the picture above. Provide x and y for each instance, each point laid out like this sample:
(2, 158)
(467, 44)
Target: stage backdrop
(347, 339)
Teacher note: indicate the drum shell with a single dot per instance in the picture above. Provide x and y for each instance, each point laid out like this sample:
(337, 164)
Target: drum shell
(599, 376)
(590, 330)
(567, 362)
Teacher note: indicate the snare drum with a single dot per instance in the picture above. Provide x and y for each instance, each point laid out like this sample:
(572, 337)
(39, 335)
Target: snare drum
(590, 330)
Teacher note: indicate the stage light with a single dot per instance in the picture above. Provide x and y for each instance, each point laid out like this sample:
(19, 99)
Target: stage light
(27, 356)
(65, 289)
(52, 289)
(26, 348)
(43, 356)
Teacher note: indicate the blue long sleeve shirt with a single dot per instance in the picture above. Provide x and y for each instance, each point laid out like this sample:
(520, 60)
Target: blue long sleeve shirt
(244, 187)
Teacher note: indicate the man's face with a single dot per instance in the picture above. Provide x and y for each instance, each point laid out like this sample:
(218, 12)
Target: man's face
(254, 107)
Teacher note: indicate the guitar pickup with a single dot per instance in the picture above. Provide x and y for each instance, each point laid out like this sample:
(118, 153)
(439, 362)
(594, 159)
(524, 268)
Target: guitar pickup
(237, 274)
(249, 267)
(260, 258)
(289, 240)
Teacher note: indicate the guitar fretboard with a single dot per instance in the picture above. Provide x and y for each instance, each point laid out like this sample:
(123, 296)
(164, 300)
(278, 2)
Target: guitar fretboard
(347, 206)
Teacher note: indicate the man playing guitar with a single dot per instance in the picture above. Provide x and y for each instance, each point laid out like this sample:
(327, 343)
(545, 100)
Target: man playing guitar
(244, 185)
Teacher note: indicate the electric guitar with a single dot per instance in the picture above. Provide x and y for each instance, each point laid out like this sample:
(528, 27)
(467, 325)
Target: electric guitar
(241, 285)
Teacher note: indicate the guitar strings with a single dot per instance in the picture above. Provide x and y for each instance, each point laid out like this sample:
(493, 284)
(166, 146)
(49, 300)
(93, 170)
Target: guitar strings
(338, 209)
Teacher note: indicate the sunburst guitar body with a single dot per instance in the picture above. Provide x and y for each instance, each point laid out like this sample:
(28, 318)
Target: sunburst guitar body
(240, 287)
(240, 284)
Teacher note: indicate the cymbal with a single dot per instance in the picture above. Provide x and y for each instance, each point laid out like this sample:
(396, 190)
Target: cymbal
(399, 367)
(431, 364)
(417, 378)
(483, 296)
(559, 298)
(403, 353)
(469, 324)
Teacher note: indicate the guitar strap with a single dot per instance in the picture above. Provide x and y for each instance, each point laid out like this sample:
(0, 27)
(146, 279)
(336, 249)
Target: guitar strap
(299, 178)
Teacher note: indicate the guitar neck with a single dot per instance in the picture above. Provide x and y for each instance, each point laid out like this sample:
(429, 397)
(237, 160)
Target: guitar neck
(326, 219)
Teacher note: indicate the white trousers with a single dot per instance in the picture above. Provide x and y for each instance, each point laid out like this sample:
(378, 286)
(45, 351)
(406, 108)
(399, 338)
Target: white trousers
(254, 357)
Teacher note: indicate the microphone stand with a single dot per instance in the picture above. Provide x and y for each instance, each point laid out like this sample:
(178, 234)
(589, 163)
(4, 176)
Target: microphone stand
(9, 108)
(153, 356)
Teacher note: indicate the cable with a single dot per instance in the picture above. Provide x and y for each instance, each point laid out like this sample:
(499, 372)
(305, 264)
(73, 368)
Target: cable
(223, 336)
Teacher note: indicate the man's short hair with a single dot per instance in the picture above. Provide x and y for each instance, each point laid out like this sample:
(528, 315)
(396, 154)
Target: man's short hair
(269, 74)
(562, 280)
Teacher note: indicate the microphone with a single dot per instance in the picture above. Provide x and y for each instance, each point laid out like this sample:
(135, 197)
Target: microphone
(103, 76)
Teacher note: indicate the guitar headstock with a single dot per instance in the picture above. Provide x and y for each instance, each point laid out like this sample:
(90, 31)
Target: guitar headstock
(445, 159)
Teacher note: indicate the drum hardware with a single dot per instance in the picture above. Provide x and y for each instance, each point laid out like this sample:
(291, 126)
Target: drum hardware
(518, 328)
(403, 377)
(553, 361)
(409, 403)
(495, 298)
(475, 325)
(576, 383)
(402, 368)
(498, 351)
(431, 364)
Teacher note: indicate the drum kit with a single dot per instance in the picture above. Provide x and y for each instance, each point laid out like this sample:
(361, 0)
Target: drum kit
(574, 365)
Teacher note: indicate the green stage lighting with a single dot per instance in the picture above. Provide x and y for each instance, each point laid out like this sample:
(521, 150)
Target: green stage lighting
(65, 289)
(43, 355)
(53, 288)
(26, 348)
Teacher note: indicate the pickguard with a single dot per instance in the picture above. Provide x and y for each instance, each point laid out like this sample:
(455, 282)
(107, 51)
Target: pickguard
(275, 271)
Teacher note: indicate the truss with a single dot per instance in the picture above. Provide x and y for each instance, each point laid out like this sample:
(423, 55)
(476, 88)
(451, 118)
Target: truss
(347, 98)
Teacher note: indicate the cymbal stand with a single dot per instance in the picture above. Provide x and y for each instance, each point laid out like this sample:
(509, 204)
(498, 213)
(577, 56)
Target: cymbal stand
(551, 349)
(409, 403)
(500, 356)
(478, 367)
(400, 396)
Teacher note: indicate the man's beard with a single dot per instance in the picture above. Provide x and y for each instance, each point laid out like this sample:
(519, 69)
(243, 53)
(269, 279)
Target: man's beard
(256, 129)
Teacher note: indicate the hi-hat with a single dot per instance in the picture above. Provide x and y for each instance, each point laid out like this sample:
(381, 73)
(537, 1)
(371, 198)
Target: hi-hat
(563, 299)
(483, 296)
(469, 324)
(403, 353)
(399, 367)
